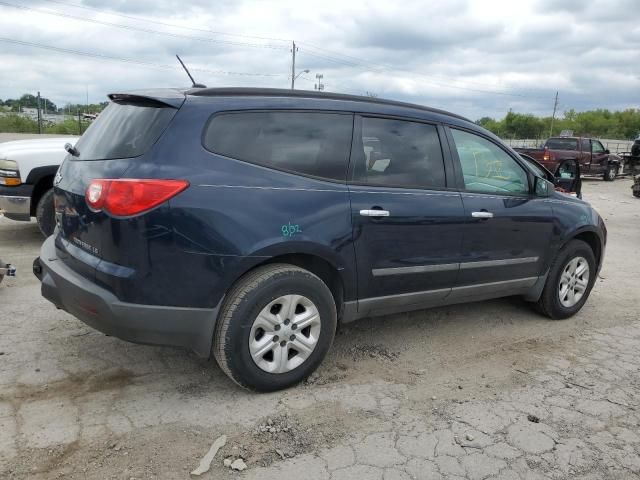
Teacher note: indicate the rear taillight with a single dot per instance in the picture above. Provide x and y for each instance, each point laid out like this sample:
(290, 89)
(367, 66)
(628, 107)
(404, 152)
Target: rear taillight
(546, 157)
(125, 197)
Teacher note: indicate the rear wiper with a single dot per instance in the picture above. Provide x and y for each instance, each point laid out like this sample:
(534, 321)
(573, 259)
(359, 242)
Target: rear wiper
(71, 149)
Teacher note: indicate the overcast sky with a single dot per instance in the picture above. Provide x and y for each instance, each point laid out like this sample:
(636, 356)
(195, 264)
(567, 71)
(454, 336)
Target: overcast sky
(475, 58)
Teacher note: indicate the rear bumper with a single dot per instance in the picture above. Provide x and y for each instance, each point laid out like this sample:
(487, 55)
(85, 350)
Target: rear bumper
(148, 324)
(15, 202)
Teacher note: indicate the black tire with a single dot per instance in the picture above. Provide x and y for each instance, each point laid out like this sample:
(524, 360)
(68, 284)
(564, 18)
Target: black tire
(549, 302)
(610, 173)
(45, 213)
(241, 307)
(1, 275)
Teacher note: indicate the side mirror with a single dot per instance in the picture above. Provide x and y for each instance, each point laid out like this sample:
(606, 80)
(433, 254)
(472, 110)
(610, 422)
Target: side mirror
(607, 151)
(542, 187)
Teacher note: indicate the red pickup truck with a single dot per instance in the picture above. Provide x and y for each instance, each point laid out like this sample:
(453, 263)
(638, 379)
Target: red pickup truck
(593, 158)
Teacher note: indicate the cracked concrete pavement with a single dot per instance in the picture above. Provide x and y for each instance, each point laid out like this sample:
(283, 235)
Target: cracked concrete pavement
(484, 390)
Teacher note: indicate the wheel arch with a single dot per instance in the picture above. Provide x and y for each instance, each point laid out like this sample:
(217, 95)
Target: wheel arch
(324, 269)
(591, 238)
(42, 180)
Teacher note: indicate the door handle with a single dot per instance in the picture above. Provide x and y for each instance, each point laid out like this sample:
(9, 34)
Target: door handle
(483, 214)
(374, 213)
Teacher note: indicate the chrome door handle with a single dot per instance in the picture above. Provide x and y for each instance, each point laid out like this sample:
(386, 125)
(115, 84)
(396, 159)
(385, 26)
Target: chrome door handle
(374, 213)
(482, 214)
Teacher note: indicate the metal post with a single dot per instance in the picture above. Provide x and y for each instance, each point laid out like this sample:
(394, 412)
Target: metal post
(553, 117)
(39, 115)
(293, 65)
(79, 123)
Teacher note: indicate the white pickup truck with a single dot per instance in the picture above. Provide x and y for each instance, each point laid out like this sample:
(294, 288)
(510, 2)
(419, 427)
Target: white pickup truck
(27, 168)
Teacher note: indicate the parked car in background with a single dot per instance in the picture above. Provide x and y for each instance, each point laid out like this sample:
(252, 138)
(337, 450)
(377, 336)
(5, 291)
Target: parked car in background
(246, 223)
(593, 158)
(635, 148)
(567, 178)
(27, 169)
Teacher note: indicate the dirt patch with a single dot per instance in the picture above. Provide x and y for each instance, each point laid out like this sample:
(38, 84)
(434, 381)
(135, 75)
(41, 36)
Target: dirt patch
(171, 451)
(283, 436)
(73, 386)
(376, 352)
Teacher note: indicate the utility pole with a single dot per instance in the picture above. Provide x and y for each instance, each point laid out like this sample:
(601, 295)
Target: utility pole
(319, 86)
(79, 122)
(39, 115)
(553, 117)
(87, 99)
(293, 65)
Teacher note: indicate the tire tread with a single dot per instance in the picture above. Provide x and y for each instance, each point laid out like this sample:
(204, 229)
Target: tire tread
(544, 303)
(234, 298)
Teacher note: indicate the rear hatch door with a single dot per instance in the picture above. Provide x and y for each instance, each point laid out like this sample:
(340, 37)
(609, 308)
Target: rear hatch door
(116, 140)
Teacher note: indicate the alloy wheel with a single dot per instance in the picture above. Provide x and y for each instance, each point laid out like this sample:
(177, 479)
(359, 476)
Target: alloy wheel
(573, 282)
(284, 334)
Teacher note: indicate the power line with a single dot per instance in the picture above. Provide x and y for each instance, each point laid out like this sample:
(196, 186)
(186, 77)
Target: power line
(130, 60)
(172, 25)
(351, 61)
(379, 68)
(143, 30)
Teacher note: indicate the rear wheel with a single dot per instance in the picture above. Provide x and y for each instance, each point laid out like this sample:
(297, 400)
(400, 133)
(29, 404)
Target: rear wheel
(275, 327)
(611, 173)
(569, 282)
(45, 213)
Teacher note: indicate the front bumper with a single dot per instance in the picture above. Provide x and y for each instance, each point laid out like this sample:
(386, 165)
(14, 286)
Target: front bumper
(16, 208)
(15, 202)
(148, 324)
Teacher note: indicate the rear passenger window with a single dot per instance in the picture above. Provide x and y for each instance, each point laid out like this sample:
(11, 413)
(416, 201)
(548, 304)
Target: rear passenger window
(399, 153)
(586, 145)
(310, 143)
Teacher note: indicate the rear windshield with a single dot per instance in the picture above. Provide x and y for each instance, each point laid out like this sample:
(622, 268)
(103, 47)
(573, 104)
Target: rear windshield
(562, 144)
(124, 130)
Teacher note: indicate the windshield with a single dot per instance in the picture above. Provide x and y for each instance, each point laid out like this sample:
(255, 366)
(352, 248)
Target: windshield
(562, 144)
(124, 130)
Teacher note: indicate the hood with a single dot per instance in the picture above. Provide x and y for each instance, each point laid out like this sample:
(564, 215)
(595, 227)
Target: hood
(20, 148)
(556, 195)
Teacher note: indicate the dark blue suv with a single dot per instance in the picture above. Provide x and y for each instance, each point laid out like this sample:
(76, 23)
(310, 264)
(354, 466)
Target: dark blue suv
(246, 223)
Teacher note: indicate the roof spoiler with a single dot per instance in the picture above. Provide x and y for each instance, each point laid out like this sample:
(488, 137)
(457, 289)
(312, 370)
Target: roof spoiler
(151, 98)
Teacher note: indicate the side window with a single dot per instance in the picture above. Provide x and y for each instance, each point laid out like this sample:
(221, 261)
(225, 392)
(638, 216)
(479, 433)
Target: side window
(310, 143)
(486, 167)
(586, 145)
(596, 146)
(399, 153)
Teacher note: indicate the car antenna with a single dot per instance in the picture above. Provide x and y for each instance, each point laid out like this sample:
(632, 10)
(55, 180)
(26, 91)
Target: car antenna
(195, 85)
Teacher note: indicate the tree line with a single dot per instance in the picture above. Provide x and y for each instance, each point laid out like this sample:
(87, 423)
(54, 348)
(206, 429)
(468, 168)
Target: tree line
(601, 123)
(47, 106)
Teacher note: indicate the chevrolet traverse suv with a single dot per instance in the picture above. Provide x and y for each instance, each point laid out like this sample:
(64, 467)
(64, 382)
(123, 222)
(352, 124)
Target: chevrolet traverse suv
(246, 223)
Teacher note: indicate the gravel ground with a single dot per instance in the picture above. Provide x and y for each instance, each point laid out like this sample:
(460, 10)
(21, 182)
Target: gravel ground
(483, 390)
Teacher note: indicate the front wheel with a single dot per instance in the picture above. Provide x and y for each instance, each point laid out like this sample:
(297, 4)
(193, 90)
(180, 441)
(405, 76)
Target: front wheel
(570, 280)
(45, 213)
(275, 327)
(611, 173)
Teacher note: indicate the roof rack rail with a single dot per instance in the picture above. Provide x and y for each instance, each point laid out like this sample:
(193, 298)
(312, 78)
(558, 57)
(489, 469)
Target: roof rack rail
(281, 92)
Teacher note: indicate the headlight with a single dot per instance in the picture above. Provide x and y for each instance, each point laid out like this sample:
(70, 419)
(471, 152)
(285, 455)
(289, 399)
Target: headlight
(9, 174)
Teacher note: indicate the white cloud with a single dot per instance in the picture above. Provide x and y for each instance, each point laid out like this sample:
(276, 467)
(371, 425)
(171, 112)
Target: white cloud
(448, 54)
